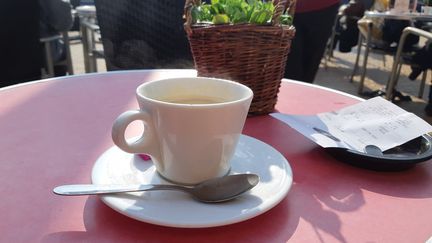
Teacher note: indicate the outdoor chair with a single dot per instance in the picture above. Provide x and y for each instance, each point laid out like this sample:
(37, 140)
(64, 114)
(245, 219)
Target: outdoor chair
(366, 42)
(398, 60)
(345, 31)
(146, 34)
(47, 70)
(332, 41)
(90, 35)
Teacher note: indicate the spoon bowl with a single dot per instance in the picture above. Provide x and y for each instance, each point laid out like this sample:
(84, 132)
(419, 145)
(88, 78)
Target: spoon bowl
(210, 191)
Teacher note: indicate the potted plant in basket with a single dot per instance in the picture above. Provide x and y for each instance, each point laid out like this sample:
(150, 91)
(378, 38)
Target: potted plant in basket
(237, 12)
(242, 40)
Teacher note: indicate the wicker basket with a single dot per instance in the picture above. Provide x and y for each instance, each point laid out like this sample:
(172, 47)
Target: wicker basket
(254, 55)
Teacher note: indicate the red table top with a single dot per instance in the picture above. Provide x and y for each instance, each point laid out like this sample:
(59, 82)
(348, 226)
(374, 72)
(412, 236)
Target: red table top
(53, 131)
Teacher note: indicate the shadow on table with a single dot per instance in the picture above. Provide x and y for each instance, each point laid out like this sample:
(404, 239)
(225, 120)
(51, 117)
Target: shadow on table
(101, 222)
(410, 183)
(318, 203)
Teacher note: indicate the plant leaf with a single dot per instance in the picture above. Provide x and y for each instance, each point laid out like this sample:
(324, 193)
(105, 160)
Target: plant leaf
(220, 19)
(236, 11)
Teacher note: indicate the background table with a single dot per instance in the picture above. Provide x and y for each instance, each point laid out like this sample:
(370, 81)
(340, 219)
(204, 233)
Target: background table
(53, 131)
(400, 16)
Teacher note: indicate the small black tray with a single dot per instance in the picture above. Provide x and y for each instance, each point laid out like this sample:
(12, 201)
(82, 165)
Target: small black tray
(399, 158)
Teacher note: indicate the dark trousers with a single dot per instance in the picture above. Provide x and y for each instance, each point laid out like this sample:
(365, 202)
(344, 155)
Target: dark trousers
(313, 30)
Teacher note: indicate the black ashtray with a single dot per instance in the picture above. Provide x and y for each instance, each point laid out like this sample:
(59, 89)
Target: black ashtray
(399, 158)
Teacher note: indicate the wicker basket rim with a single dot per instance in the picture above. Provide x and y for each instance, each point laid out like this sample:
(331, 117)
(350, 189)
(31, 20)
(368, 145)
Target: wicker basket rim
(240, 26)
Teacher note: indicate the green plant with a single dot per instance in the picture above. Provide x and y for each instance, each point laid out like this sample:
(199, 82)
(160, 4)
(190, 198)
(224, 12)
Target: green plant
(237, 12)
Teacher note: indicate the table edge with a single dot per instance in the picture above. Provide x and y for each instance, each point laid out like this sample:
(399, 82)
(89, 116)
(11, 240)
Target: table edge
(120, 72)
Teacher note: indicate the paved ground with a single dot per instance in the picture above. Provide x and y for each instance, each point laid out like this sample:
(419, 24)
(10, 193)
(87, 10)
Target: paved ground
(336, 76)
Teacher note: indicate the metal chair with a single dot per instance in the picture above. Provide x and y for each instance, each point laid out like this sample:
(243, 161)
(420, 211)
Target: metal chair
(394, 75)
(345, 26)
(348, 20)
(89, 30)
(366, 42)
(330, 45)
(48, 70)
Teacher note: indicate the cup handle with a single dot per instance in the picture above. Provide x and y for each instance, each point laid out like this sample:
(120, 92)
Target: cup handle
(145, 144)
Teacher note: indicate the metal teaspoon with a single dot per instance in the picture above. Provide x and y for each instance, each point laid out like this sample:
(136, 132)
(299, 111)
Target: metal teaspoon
(210, 191)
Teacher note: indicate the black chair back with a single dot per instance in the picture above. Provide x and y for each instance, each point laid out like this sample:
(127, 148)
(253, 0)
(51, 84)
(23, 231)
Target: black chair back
(143, 34)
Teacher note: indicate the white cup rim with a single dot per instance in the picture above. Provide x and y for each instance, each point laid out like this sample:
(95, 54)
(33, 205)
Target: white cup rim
(248, 93)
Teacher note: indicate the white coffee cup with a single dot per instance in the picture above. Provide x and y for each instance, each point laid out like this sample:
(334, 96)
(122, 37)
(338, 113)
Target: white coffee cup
(191, 126)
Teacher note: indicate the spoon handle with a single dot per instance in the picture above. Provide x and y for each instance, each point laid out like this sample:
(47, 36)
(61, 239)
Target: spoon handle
(90, 189)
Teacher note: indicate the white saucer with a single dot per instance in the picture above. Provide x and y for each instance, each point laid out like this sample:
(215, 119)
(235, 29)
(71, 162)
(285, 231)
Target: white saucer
(177, 209)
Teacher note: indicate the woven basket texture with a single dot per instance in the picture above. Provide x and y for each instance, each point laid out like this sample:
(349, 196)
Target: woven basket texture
(253, 55)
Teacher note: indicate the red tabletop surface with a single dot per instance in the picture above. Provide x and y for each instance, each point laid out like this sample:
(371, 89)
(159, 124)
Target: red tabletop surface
(53, 131)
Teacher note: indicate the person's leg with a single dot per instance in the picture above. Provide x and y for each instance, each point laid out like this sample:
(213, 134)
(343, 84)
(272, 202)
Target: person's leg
(315, 29)
(294, 65)
(317, 36)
